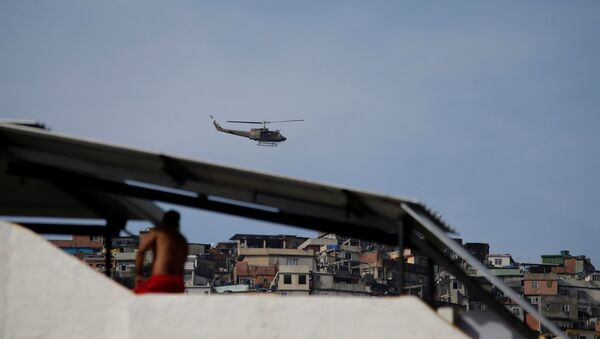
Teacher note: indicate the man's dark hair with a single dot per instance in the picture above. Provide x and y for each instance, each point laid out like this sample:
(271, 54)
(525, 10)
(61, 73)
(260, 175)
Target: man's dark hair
(171, 219)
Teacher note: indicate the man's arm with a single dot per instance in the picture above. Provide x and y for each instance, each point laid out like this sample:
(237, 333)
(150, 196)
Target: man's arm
(147, 243)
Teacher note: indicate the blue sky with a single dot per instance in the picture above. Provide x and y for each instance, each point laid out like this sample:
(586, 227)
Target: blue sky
(487, 112)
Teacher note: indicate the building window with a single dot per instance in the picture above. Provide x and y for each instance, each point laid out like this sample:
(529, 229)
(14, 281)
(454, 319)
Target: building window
(478, 306)
(348, 256)
(455, 284)
(497, 262)
(566, 308)
(549, 285)
(123, 268)
(535, 300)
(581, 294)
(302, 279)
(516, 311)
(287, 279)
(291, 261)
(534, 284)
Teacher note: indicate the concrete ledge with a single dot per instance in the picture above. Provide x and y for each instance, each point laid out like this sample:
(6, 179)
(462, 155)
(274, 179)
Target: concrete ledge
(285, 317)
(46, 293)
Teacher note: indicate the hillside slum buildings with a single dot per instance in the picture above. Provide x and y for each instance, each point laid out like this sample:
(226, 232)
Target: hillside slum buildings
(564, 288)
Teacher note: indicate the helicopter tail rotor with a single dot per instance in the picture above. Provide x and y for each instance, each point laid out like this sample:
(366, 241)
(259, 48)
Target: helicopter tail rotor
(217, 126)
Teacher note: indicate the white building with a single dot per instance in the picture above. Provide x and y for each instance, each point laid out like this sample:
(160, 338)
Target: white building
(500, 260)
(292, 280)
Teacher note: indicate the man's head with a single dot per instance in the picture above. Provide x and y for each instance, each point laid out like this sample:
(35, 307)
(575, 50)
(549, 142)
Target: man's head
(171, 219)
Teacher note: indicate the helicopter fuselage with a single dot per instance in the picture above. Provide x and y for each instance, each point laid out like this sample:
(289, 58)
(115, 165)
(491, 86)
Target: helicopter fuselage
(264, 134)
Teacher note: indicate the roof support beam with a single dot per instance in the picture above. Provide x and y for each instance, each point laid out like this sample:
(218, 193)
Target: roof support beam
(70, 179)
(472, 286)
(441, 240)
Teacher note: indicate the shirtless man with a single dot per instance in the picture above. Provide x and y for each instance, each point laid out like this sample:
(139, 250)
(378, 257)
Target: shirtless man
(170, 253)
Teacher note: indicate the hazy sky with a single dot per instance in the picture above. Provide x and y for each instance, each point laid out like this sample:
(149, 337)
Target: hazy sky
(487, 112)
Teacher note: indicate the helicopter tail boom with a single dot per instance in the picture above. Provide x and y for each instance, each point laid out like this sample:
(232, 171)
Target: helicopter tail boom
(229, 131)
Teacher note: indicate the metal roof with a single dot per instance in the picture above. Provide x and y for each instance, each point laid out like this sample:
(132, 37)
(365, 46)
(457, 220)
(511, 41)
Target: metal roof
(51, 151)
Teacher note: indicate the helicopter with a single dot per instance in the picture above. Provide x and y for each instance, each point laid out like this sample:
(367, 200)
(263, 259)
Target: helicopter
(263, 136)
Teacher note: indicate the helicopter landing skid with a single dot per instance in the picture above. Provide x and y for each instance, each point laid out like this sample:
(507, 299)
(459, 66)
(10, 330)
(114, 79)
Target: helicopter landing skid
(268, 143)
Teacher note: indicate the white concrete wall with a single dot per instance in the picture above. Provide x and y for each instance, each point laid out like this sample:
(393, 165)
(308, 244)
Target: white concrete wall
(291, 317)
(45, 293)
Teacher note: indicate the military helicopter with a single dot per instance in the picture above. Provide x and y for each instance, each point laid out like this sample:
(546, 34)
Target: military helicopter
(264, 136)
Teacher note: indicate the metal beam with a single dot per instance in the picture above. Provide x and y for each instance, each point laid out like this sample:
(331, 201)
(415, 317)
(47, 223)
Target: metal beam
(401, 243)
(112, 229)
(472, 285)
(441, 240)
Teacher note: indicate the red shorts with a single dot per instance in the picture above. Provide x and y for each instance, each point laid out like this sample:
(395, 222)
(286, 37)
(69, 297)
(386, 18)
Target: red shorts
(172, 283)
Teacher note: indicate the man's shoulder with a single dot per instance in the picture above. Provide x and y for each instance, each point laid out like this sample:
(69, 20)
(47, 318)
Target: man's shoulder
(168, 232)
(153, 231)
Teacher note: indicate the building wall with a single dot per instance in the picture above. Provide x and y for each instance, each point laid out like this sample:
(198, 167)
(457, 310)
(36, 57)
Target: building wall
(569, 266)
(581, 334)
(540, 284)
(258, 275)
(478, 250)
(559, 307)
(198, 248)
(293, 260)
(82, 241)
(532, 322)
(540, 287)
(274, 251)
(499, 260)
(373, 257)
(293, 273)
(257, 260)
(552, 259)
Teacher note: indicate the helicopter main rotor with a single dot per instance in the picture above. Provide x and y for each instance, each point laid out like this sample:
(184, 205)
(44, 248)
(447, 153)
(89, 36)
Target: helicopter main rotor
(264, 123)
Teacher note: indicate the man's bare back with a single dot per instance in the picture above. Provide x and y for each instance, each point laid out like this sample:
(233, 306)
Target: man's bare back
(169, 248)
(170, 253)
